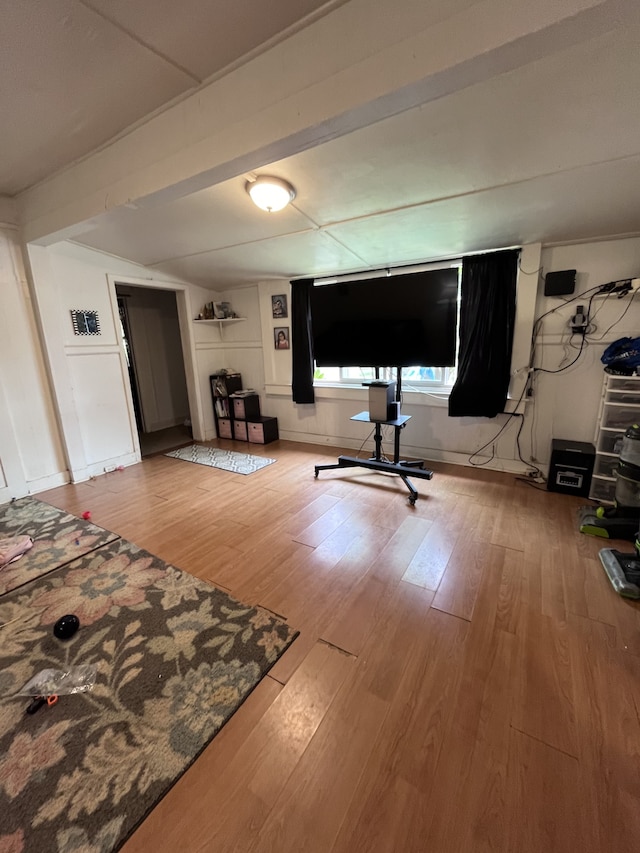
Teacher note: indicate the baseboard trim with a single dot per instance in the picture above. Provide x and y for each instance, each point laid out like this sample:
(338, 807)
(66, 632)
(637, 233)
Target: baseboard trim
(508, 466)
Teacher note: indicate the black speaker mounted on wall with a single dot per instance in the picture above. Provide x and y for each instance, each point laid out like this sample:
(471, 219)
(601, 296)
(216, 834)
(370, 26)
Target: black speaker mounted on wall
(560, 283)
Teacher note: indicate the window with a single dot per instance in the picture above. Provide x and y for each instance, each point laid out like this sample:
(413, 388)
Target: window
(419, 378)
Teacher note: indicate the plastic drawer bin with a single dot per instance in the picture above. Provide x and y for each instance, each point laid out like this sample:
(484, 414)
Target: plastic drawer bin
(610, 441)
(620, 417)
(624, 383)
(602, 490)
(622, 397)
(605, 466)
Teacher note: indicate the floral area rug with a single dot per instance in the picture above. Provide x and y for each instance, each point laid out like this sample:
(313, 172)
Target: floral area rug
(58, 538)
(228, 460)
(175, 658)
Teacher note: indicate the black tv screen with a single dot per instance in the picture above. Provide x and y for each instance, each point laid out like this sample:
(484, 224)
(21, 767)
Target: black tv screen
(395, 321)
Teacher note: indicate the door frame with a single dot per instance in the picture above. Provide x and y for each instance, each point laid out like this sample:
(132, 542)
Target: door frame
(187, 339)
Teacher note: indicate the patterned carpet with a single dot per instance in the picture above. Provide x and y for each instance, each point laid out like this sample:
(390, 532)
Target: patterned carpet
(227, 460)
(175, 658)
(58, 538)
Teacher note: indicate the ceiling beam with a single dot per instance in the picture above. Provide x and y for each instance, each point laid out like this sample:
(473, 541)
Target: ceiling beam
(365, 61)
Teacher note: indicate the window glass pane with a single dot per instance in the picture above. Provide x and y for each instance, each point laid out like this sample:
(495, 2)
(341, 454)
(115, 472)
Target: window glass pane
(327, 374)
(422, 374)
(357, 374)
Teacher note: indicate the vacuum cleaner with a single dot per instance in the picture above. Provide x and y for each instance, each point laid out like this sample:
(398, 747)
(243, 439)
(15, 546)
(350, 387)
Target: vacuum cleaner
(623, 570)
(622, 520)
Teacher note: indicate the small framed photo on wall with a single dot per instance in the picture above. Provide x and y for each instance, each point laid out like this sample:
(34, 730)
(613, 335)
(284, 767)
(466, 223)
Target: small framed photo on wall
(85, 322)
(279, 306)
(281, 337)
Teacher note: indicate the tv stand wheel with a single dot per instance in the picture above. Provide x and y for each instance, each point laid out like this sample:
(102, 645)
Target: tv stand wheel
(412, 500)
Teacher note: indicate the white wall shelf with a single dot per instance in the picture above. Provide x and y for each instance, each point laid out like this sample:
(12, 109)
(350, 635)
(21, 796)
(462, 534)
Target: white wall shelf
(220, 323)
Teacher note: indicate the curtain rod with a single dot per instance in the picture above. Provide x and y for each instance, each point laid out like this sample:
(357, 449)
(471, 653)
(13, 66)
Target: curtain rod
(387, 272)
(408, 268)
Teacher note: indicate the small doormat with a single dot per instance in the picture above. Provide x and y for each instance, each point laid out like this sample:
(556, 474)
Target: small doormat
(228, 460)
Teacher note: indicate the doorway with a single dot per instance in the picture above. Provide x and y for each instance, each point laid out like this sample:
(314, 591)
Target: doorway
(150, 332)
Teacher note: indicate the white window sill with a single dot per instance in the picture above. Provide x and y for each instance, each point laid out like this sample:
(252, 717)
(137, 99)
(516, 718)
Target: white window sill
(360, 394)
(437, 398)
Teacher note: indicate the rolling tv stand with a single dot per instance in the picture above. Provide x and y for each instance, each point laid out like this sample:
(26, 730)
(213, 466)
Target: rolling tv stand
(377, 462)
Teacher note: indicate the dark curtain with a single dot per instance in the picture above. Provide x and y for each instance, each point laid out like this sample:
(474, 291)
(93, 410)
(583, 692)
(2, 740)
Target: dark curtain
(487, 318)
(301, 341)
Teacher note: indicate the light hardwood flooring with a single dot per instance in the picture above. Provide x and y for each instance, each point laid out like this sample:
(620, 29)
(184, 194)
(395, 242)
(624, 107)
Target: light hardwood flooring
(465, 678)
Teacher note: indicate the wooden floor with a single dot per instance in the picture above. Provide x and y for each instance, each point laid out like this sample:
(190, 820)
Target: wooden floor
(465, 678)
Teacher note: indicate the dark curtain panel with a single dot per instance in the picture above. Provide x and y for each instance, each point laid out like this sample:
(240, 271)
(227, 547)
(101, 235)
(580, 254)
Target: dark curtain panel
(301, 341)
(487, 318)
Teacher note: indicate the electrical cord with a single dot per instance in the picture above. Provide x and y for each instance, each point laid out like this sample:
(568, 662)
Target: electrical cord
(594, 291)
(531, 483)
(533, 272)
(492, 441)
(586, 339)
(604, 334)
(359, 451)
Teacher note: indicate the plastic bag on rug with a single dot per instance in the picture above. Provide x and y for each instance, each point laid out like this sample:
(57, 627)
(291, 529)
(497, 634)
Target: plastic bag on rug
(13, 548)
(60, 682)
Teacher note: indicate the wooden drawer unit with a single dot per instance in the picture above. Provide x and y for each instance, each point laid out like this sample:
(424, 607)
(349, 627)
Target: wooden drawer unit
(262, 431)
(246, 406)
(224, 428)
(240, 430)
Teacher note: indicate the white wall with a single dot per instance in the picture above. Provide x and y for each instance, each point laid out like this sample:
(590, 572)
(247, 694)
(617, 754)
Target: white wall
(236, 347)
(31, 454)
(91, 399)
(91, 391)
(566, 404)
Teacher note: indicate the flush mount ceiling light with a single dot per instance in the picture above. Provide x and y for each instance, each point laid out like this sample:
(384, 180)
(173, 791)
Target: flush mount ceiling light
(269, 193)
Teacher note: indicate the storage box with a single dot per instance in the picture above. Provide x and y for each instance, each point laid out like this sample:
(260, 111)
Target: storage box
(246, 406)
(610, 441)
(603, 490)
(240, 430)
(224, 428)
(606, 465)
(619, 416)
(624, 383)
(263, 431)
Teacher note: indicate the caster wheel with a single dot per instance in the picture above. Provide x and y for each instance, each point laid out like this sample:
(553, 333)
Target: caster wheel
(316, 475)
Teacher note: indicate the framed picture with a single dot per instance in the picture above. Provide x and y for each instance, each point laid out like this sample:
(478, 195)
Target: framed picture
(279, 306)
(85, 322)
(281, 337)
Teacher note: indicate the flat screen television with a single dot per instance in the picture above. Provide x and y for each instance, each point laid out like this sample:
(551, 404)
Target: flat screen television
(395, 321)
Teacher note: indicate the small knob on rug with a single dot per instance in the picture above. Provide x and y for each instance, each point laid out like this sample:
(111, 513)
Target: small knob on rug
(66, 626)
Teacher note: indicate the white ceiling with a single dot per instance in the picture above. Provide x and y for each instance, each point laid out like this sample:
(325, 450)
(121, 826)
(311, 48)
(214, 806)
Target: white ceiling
(549, 152)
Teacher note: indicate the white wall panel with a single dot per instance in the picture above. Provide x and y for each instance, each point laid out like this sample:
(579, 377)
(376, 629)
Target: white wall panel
(31, 450)
(101, 405)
